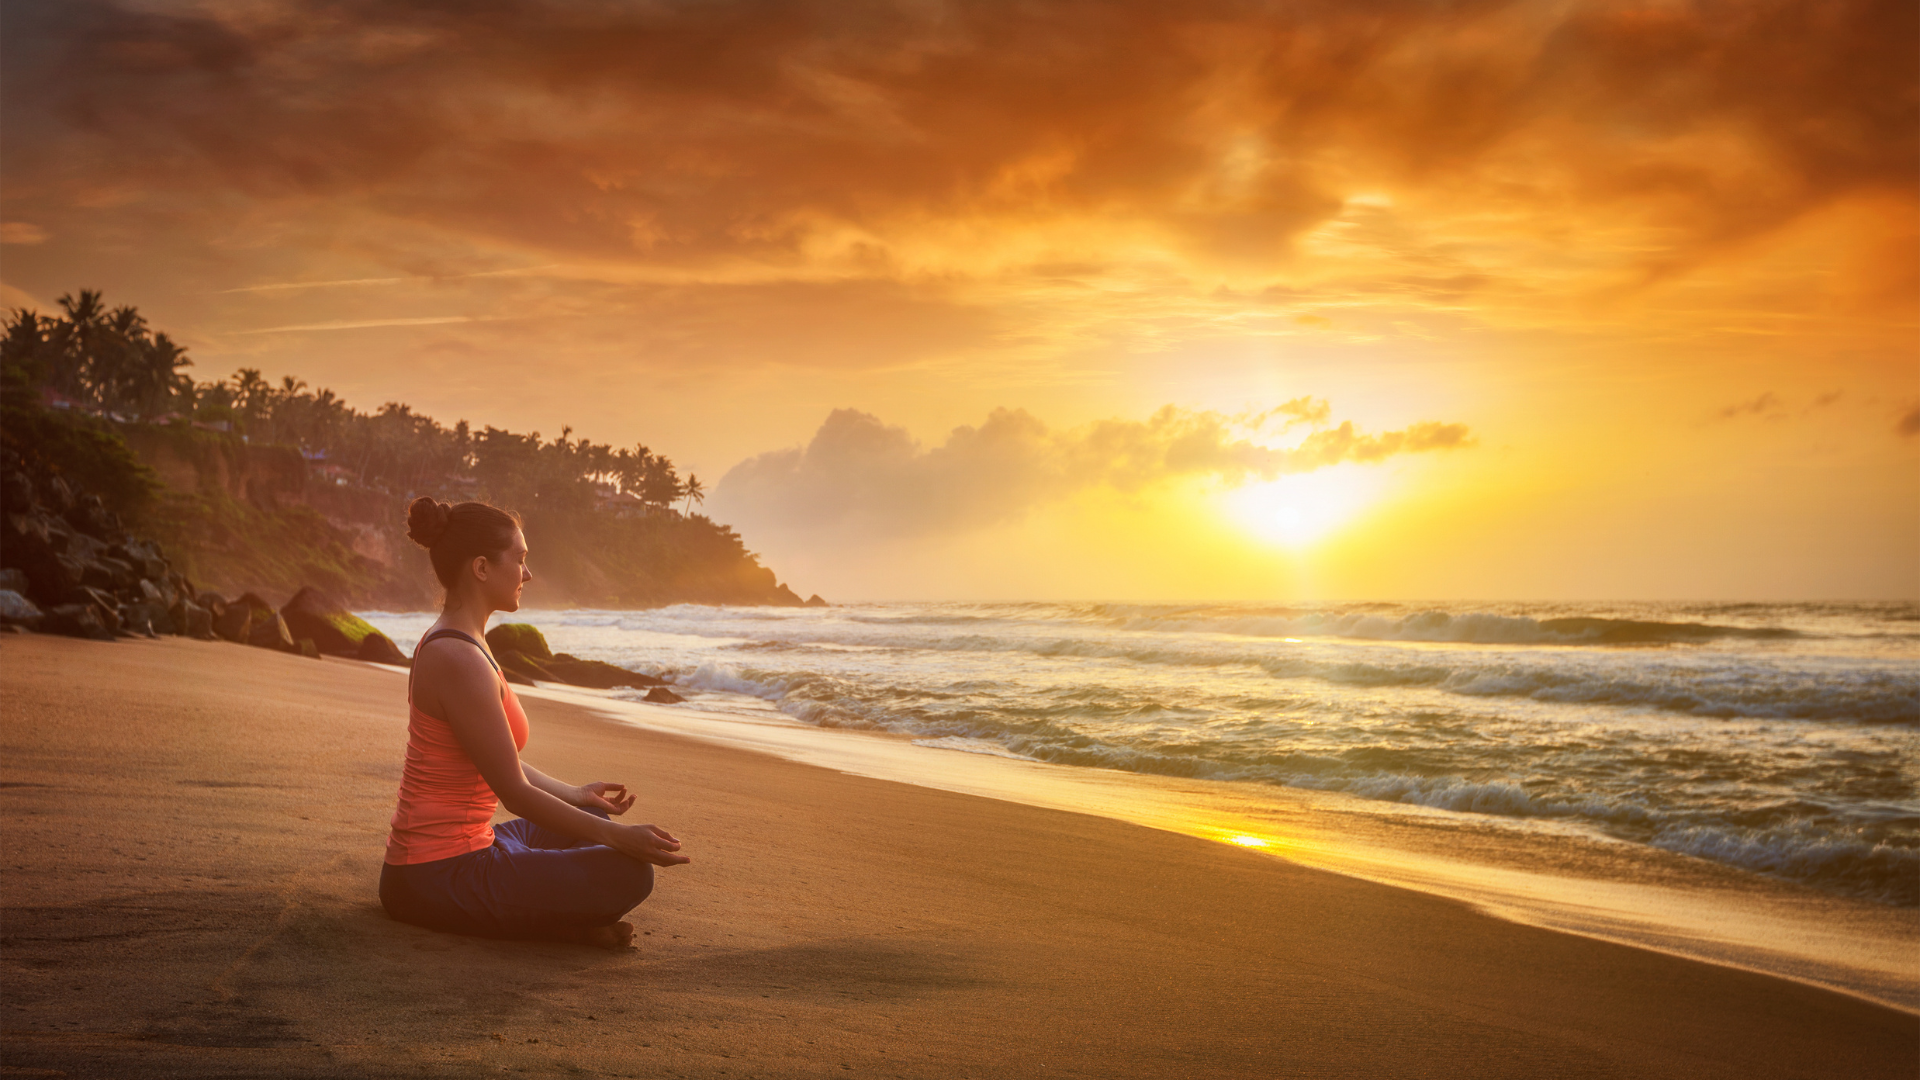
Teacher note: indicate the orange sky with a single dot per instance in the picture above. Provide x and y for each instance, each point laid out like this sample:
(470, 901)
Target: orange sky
(1567, 300)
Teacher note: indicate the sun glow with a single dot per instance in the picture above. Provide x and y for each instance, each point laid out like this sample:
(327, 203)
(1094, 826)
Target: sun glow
(1304, 508)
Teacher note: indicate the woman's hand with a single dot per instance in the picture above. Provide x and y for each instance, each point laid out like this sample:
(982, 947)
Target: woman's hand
(647, 843)
(615, 799)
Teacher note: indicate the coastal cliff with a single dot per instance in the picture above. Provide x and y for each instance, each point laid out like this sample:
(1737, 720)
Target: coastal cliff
(252, 487)
(238, 515)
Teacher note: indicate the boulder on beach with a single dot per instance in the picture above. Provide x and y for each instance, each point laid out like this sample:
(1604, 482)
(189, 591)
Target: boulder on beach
(106, 572)
(108, 614)
(307, 648)
(270, 632)
(234, 622)
(76, 620)
(334, 630)
(157, 616)
(87, 594)
(192, 620)
(378, 648)
(513, 662)
(522, 650)
(138, 618)
(523, 638)
(17, 610)
(599, 675)
(660, 695)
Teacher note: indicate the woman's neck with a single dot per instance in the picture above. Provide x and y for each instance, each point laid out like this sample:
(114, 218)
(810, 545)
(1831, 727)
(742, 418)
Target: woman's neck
(467, 617)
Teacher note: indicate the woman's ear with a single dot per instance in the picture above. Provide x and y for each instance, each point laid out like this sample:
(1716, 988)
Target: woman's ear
(480, 566)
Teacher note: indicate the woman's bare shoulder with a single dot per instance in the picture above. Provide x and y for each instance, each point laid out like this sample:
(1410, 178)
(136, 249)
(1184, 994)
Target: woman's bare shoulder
(447, 662)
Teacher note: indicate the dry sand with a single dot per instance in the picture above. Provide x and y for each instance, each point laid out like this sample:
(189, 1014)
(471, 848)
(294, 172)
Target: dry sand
(193, 834)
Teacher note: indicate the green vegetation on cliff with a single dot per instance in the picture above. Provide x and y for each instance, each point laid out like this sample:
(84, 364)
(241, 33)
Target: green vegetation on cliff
(255, 486)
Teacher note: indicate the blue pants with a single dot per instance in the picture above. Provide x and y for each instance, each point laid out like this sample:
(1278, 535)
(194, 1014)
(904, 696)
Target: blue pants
(532, 883)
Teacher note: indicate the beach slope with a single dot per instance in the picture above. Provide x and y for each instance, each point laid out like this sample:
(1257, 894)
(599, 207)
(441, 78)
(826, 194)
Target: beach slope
(193, 833)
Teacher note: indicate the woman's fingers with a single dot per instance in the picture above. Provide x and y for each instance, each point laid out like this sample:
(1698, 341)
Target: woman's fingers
(648, 844)
(660, 856)
(613, 798)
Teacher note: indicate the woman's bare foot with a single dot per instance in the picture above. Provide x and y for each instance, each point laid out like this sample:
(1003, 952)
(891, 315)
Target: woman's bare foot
(612, 938)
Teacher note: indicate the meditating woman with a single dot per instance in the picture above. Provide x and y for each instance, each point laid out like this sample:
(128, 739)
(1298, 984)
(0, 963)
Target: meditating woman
(564, 870)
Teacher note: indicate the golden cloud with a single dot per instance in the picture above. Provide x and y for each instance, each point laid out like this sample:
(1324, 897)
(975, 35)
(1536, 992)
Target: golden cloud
(1417, 152)
(863, 476)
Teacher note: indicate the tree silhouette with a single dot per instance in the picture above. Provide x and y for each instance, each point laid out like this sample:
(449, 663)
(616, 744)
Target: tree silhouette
(695, 492)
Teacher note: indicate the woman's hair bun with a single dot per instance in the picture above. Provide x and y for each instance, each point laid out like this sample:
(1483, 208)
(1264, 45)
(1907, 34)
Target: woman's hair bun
(427, 520)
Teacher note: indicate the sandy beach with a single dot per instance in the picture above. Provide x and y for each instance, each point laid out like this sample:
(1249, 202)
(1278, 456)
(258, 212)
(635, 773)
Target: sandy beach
(193, 832)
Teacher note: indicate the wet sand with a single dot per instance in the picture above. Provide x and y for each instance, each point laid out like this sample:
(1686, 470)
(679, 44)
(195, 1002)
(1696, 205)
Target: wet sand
(192, 833)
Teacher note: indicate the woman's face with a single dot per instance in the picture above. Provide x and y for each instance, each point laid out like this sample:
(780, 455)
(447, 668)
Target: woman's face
(502, 579)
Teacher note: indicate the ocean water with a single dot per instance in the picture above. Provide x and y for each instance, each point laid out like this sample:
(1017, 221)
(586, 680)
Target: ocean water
(1773, 739)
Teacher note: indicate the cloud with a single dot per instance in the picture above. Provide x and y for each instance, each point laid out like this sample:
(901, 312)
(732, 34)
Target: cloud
(861, 475)
(425, 320)
(21, 232)
(1301, 410)
(13, 297)
(1766, 405)
(1909, 423)
(899, 140)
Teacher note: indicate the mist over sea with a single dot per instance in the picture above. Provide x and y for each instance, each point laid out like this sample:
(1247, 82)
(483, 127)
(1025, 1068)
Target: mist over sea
(1778, 739)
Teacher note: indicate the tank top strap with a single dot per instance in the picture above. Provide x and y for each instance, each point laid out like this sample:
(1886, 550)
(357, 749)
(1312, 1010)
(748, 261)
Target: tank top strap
(463, 636)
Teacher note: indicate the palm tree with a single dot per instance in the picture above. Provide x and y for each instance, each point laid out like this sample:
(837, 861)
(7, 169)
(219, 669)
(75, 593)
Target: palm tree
(77, 340)
(695, 493)
(155, 379)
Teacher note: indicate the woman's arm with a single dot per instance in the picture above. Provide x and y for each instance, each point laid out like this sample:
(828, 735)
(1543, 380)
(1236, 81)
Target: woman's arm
(613, 798)
(469, 700)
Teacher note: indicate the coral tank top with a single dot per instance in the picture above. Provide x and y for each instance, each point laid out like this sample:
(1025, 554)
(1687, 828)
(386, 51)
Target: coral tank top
(446, 808)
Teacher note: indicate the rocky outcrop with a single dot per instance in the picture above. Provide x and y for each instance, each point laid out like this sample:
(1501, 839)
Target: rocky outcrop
(523, 638)
(660, 695)
(314, 616)
(192, 619)
(525, 657)
(521, 668)
(597, 674)
(231, 621)
(69, 566)
(378, 648)
(78, 620)
(67, 556)
(17, 610)
(815, 601)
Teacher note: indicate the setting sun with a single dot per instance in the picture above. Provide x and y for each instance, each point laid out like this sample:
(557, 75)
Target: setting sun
(1304, 508)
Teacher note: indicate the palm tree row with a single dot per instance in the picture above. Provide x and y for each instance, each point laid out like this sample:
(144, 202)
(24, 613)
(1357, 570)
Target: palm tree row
(107, 361)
